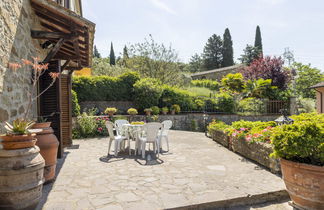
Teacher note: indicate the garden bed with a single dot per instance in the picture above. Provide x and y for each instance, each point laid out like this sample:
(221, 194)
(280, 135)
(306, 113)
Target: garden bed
(220, 137)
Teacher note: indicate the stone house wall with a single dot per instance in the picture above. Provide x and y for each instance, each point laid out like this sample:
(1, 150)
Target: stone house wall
(319, 103)
(16, 21)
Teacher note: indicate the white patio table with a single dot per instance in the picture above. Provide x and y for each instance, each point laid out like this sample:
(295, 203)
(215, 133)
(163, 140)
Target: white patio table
(132, 131)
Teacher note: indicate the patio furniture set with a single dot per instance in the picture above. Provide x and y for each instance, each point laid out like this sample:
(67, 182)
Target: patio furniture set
(142, 133)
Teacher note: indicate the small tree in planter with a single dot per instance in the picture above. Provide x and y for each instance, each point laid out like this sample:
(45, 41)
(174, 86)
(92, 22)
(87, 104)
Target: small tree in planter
(165, 110)
(132, 112)
(155, 110)
(111, 111)
(301, 149)
(175, 109)
(148, 111)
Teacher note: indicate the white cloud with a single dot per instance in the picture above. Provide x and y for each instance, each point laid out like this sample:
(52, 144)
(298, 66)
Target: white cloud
(161, 5)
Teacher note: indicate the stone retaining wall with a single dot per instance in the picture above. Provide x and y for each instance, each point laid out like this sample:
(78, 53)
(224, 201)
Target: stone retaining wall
(16, 21)
(122, 106)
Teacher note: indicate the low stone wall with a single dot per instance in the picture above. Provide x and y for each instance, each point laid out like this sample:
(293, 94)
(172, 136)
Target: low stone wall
(122, 106)
(257, 151)
(220, 137)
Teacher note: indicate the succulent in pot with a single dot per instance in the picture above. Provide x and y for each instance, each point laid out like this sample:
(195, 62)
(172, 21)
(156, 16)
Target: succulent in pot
(165, 110)
(111, 111)
(301, 149)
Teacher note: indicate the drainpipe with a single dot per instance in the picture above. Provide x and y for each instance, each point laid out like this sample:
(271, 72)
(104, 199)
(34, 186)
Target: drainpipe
(321, 98)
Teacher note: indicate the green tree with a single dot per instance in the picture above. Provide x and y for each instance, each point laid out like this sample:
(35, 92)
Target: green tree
(258, 40)
(101, 66)
(212, 54)
(233, 82)
(96, 53)
(195, 63)
(306, 77)
(227, 49)
(155, 60)
(250, 53)
(112, 57)
(125, 53)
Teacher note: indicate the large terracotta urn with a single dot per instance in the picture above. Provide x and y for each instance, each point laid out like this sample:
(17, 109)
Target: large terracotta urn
(21, 178)
(304, 183)
(48, 145)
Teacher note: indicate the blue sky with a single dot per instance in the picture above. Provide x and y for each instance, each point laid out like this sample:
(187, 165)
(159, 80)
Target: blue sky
(187, 24)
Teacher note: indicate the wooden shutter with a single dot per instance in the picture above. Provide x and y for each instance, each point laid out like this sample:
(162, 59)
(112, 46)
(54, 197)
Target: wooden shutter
(50, 101)
(66, 110)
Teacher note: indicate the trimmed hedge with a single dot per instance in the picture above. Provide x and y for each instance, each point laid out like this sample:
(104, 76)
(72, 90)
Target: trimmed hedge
(105, 88)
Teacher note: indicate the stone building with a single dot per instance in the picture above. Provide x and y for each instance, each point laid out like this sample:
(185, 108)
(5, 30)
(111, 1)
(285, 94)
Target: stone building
(319, 88)
(216, 74)
(54, 31)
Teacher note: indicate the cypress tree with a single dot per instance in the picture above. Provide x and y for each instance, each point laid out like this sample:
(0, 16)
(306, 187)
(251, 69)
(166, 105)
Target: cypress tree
(125, 53)
(96, 53)
(212, 55)
(227, 49)
(112, 57)
(258, 39)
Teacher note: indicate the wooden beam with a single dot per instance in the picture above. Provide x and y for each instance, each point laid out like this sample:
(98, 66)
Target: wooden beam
(54, 50)
(65, 64)
(52, 35)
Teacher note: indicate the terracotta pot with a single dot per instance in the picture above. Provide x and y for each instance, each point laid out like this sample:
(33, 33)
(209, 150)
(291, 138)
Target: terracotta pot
(148, 113)
(11, 142)
(304, 183)
(173, 112)
(48, 145)
(164, 112)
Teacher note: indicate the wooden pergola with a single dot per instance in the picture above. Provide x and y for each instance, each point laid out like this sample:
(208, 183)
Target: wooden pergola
(68, 38)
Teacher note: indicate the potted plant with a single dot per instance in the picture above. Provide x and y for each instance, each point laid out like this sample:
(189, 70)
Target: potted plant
(148, 111)
(111, 111)
(175, 109)
(132, 111)
(19, 133)
(155, 110)
(165, 110)
(300, 147)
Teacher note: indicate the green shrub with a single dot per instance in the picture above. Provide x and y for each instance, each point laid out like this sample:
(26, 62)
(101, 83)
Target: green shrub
(147, 93)
(200, 104)
(176, 108)
(301, 141)
(306, 105)
(86, 125)
(75, 104)
(251, 106)
(105, 88)
(172, 95)
(210, 105)
(155, 110)
(165, 109)
(225, 102)
(233, 82)
(210, 84)
(217, 125)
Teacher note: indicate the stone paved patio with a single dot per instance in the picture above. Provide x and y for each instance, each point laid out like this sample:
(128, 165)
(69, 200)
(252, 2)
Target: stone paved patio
(196, 170)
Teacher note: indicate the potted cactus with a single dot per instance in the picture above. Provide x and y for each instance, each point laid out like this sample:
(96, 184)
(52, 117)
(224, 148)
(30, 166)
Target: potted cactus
(111, 111)
(301, 149)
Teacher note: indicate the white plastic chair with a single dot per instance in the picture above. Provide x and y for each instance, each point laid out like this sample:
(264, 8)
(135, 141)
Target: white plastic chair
(118, 139)
(152, 136)
(119, 124)
(167, 124)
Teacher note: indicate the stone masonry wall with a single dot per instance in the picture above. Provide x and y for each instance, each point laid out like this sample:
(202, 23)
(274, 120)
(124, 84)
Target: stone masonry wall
(16, 20)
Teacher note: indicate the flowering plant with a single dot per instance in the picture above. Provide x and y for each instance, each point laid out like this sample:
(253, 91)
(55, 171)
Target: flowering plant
(38, 69)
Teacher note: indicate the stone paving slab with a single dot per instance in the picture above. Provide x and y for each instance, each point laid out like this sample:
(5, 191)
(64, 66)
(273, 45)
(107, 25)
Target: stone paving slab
(196, 170)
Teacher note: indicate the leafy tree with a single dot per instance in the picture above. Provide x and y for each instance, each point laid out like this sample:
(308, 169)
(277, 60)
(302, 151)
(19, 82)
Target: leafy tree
(213, 52)
(96, 53)
(268, 68)
(155, 60)
(227, 49)
(125, 53)
(306, 77)
(260, 88)
(112, 57)
(233, 82)
(195, 63)
(258, 40)
(101, 66)
(250, 54)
